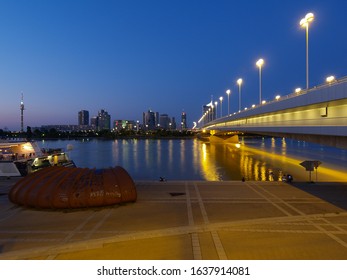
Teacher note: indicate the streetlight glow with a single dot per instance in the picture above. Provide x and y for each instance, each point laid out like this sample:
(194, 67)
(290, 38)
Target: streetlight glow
(330, 79)
(260, 63)
(308, 18)
(221, 106)
(216, 104)
(228, 93)
(305, 23)
(239, 82)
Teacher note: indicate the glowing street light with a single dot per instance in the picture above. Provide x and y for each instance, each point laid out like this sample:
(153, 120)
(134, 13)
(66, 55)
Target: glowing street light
(216, 104)
(330, 79)
(221, 106)
(212, 111)
(278, 97)
(305, 23)
(228, 93)
(239, 82)
(298, 90)
(260, 63)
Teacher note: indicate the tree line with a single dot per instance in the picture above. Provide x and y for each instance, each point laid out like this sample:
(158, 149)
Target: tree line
(106, 134)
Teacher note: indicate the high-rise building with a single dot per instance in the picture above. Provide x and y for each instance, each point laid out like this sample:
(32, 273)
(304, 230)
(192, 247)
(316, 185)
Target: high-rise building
(164, 121)
(173, 123)
(83, 117)
(104, 120)
(183, 121)
(94, 122)
(149, 120)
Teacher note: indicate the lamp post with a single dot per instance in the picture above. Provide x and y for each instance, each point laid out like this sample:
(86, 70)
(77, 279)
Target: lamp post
(216, 104)
(305, 23)
(239, 82)
(221, 106)
(228, 93)
(260, 63)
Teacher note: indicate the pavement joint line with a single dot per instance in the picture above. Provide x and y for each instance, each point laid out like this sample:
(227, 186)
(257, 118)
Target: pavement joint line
(98, 225)
(194, 236)
(340, 229)
(72, 233)
(324, 223)
(215, 237)
(98, 243)
(80, 226)
(269, 200)
(310, 221)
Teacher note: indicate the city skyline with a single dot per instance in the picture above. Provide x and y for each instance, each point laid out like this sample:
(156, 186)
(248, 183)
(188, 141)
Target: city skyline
(104, 121)
(172, 55)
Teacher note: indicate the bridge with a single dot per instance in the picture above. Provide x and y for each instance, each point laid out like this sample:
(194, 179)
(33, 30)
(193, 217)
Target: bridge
(318, 115)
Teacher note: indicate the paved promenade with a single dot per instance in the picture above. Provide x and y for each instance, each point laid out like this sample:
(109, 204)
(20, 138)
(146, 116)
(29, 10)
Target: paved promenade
(187, 220)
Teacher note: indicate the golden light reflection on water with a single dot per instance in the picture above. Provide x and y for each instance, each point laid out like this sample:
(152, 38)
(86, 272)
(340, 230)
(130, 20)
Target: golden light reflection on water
(280, 164)
(220, 161)
(267, 160)
(208, 166)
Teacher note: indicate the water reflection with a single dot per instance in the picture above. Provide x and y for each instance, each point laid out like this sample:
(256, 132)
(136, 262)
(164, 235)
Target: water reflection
(208, 164)
(262, 159)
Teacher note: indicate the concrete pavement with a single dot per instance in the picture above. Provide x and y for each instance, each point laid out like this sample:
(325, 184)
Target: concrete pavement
(180, 220)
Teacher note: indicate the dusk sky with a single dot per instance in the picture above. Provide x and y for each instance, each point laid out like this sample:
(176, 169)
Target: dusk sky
(128, 56)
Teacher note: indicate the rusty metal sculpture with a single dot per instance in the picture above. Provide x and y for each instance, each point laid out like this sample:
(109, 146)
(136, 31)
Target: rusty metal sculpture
(70, 187)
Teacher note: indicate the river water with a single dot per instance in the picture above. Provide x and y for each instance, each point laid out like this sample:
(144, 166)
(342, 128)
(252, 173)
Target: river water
(263, 159)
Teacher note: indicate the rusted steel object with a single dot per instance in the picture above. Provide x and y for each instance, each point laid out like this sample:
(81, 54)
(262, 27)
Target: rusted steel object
(70, 187)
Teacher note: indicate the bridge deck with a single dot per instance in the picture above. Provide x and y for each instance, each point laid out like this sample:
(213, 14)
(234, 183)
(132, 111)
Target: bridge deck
(319, 114)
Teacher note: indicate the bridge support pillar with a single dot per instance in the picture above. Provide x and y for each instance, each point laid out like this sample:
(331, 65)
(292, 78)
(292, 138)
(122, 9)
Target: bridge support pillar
(224, 139)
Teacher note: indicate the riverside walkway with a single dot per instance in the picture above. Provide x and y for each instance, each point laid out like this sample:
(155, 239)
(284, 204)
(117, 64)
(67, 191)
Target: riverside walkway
(186, 220)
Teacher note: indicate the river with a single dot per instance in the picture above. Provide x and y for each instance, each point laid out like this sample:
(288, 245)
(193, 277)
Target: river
(263, 159)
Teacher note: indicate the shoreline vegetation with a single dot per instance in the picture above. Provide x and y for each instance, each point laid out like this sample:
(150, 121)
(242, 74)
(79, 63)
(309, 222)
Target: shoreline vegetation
(103, 134)
(54, 134)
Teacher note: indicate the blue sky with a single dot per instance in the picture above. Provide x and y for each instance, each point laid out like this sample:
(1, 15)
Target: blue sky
(128, 56)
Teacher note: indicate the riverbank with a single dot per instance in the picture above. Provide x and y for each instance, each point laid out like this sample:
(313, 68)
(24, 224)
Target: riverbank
(185, 220)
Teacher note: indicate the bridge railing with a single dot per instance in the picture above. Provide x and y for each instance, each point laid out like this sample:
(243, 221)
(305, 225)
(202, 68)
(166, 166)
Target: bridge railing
(304, 91)
(285, 97)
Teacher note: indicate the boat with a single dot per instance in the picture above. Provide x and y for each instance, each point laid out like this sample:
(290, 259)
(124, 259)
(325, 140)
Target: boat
(51, 159)
(21, 157)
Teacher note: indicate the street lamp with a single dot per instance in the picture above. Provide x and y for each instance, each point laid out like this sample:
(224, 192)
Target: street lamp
(216, 104)
(228, 93)
(221, 106)
(239, 82)
(305, 23)
(260, 63)
(330, 79)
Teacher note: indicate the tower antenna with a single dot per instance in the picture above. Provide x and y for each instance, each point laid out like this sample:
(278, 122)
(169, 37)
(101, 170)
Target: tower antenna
(21, 114)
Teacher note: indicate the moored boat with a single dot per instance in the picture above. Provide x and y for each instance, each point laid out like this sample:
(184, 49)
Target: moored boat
(20, 157)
